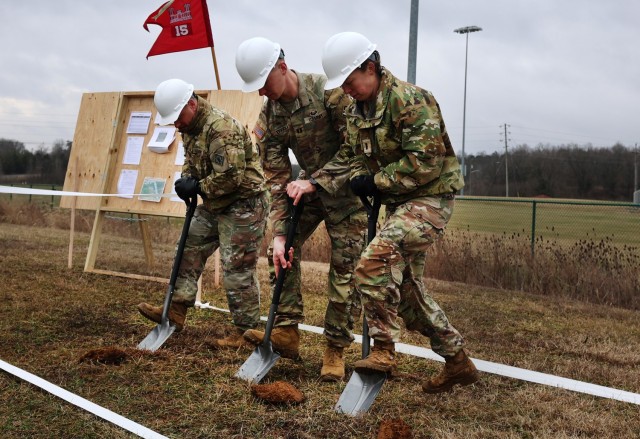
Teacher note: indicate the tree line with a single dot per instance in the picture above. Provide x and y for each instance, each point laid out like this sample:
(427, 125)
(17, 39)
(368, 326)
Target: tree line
(19, 165)
(566, 171)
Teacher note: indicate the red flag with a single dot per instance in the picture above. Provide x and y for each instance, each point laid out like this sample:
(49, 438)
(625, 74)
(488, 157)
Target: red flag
(185, 26)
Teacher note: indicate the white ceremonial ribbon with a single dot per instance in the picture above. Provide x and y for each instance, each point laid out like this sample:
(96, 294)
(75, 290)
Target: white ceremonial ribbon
(78, 401)
(47, 192)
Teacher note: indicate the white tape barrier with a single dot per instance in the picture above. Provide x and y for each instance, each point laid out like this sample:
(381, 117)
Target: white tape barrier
(47, 192)
(78, 401)
(499, 369)
(531, 376)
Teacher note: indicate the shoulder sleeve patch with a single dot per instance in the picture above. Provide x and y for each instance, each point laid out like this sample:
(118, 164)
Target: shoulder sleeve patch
(258, 131)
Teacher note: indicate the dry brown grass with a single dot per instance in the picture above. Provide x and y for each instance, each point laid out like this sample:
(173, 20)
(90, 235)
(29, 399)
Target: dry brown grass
(51, 317)
(595, 271)
(590, 270)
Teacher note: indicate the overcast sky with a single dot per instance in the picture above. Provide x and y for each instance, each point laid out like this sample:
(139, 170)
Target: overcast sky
(556, 71)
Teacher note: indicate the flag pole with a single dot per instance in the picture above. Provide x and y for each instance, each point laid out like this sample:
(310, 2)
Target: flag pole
(215, 66)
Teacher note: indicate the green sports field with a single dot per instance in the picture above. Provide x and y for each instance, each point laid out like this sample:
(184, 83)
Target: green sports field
(563, 220)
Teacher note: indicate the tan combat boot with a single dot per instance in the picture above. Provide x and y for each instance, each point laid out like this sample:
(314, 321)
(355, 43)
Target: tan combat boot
(177, 313)
(332, 364)
(458, 369)
(284, 339)
(231, 341)
(381, 359)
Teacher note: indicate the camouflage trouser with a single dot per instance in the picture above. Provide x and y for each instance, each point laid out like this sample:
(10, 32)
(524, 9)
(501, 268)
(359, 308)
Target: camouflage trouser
(238, 231)
(389, 275)
(347, 241)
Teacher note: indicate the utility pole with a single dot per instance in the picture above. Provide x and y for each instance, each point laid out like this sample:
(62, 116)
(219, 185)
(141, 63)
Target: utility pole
(506, 160)
(413, 41)
(635, 170)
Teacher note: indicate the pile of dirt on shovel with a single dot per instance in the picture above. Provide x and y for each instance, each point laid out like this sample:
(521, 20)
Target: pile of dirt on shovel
(394, 429)
(279, 392)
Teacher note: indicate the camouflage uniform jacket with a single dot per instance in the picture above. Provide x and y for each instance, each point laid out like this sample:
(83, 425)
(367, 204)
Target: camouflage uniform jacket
(220, 154)
(313, 129)
(404, 143)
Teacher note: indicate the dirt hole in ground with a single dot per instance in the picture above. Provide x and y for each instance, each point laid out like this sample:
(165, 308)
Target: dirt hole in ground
(394, 429)
(108, 355)
(279, 392)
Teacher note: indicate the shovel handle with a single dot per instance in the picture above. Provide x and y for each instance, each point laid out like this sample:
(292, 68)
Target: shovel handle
(275, 299)
(373, 210)
(191, 208)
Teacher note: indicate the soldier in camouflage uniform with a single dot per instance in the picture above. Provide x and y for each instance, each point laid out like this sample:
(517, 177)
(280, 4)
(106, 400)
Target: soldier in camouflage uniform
(222, 166)
(398, 148)
(300, 116)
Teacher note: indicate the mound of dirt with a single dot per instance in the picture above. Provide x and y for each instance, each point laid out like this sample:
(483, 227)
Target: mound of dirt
(394, 429)
(279, 392)
(108, 355)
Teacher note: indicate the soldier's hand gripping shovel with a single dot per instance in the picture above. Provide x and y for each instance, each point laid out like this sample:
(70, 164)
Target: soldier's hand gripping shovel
(263, 357)
(163, 331)
(362, 388)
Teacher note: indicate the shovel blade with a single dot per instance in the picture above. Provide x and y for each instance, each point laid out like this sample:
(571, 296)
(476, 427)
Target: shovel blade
(258, 364)
(360, 392)
(157, 337)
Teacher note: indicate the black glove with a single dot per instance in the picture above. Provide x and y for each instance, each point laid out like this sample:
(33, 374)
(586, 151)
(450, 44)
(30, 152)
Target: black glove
(187, 187)
(363, 186)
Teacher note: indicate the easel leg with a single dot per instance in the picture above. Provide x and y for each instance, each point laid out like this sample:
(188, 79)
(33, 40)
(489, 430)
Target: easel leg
(146, 241)
(72, 226)
(96, 234)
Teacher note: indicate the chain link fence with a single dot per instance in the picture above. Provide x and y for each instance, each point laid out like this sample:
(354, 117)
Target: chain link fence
(584, 250)
(539, 220)
(50, 200)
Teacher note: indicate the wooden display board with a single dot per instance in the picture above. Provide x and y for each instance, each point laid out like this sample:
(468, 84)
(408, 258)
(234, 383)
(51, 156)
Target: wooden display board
(99, 147)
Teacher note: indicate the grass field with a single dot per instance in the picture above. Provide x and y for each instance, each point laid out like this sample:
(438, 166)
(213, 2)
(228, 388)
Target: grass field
(558, 220)
(52, 316)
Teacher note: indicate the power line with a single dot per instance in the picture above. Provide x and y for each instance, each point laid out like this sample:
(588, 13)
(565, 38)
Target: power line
(13, 113)
(533, 134)
(506, 157)
(35, 125)
(560, 132)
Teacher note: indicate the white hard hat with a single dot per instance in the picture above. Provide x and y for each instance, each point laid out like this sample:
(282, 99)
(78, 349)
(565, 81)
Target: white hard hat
(255, 58)
(342, 54)
(170, 98)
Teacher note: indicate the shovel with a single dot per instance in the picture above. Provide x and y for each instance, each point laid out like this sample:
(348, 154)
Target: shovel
(362, 388)
(163, 331)
(263, 357)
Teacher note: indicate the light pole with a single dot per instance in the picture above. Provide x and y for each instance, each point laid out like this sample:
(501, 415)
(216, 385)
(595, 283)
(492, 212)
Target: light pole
(413, 41)
(465, 30)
